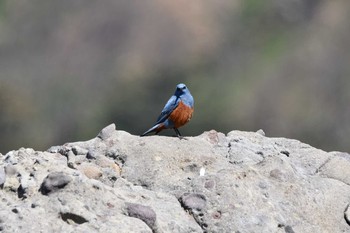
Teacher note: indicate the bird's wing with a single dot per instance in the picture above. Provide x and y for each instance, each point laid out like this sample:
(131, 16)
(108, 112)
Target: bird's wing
(170, 106)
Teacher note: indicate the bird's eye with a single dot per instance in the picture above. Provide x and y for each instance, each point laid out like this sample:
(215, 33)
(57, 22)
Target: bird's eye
(183, 88)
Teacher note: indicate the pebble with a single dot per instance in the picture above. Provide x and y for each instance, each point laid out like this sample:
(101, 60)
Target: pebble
(261, 132)
(107, 132)
(144, 213)
(11, 158)
(193, 201)
(54, 181)
(77, 150)
(90, 171)
(10, 170)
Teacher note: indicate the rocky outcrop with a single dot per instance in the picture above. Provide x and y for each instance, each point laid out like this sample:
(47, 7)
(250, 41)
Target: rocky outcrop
(118, 182)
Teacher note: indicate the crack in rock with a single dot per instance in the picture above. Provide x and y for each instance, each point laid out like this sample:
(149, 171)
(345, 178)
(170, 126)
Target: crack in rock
(347, 214)
(73, 218)
(336, 167)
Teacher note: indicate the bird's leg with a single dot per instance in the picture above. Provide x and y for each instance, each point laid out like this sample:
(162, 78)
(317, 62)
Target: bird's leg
(178, 134)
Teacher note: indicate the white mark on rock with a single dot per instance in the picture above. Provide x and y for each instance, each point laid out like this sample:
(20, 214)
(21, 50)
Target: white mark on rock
(202, 171)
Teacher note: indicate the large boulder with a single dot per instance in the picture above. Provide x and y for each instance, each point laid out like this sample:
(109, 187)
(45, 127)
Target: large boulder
(118, 182)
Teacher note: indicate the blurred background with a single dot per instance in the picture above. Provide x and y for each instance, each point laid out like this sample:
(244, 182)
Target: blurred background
(70, 68)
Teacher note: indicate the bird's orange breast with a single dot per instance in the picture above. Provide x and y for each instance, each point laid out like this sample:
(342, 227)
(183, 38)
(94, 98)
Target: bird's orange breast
(181, 115)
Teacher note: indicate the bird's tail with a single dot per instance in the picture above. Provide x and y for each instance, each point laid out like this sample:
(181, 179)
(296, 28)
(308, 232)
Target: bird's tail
(155, 128)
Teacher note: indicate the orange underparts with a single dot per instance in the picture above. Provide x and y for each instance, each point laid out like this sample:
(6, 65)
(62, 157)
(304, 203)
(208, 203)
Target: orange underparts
(181, 115)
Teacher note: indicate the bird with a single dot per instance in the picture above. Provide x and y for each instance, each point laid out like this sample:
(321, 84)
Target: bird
(176, 112)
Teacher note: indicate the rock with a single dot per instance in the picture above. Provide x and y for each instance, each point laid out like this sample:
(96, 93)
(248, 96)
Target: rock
(91, 171)
(193, 201)
(144, 213)
(337, 167)
(239, 182)
(92, 154)
(107, 132)
(347, 214)
(11, 184)
(2, 177)
(71, 218)
(11, 158)
(71, 159)
(117, 169)
(216, 138)
(63, 150)
(77, 150)
(288, 229)
(261, 132)
(27, 186)
(10, 170)
(53, 182)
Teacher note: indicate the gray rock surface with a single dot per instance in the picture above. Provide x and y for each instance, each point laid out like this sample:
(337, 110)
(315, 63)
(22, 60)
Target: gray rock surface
(53, 182)
(118, 182)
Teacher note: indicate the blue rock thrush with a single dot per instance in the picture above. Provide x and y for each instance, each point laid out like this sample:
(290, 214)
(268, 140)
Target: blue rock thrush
(177, 111)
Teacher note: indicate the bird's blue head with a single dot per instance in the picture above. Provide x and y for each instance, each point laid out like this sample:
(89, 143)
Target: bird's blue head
(183, 93)
(181, 89)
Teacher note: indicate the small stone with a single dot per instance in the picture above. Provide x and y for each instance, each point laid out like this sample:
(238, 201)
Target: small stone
(216, 215)
(53, 149)
(10, 158)
(15, 210)
(117, 169)
(262, 185)
(114, 154)
(10, 170)
(213, 137)
(77, 150)
(71, 159)
(288, 229)
(22, 192)
(53, 182)
(92, 154)
(193, 201)
(103, 161)
(29, 151)
(107, 132)
(209, 184)
(63, 150)
(11, 184)
(261, 132)
(90, 171)
(144, 213)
